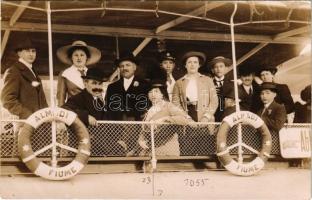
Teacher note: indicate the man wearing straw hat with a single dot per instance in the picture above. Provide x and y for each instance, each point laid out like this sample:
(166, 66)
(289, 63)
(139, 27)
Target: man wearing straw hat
(22, 92)
(218, 68)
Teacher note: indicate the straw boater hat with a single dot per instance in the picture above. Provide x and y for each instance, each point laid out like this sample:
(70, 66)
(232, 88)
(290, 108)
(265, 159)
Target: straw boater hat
(217, 59)
(62, 53)
(201, 56)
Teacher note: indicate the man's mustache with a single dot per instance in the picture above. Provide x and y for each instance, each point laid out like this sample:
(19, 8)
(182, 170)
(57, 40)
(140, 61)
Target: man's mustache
(97, 90)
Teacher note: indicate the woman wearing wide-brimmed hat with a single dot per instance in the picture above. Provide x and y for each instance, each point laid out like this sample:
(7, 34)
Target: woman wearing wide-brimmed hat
(80, 56)
(194, 92)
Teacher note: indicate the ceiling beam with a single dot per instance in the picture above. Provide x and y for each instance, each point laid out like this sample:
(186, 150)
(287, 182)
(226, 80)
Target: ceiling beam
(293, 32)
(139, 33)
(18, 12)
(196, 12)
(276, 37)
(178, 21)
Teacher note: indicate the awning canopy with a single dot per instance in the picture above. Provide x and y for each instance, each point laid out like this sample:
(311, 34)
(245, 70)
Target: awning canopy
(267, 33)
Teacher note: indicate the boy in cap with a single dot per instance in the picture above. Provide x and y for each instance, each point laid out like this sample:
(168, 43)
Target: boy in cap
(283, 95)
(22, 92)
(272, 113)
(218, 69)
(167, 65)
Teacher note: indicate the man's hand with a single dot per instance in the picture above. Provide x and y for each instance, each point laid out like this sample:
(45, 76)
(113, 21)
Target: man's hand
(92, 121)
(207, 118)
(165, 120)
(61, 128)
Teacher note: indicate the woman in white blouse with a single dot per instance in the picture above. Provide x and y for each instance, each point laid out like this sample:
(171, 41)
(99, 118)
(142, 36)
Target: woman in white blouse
(195, 93)
(80, 56)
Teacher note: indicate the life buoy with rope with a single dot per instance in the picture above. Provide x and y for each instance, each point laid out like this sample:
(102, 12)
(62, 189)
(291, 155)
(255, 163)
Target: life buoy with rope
(29, 157)
(244, 169)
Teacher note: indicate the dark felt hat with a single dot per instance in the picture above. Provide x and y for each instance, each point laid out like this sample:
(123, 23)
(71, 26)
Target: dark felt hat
(270, 68)
(305, 94)
(126, 56)
(157, 83)
(217, 59)
(201, 56)
(166, 55)
(245, 71)
(24, 43)
(95, 74)
(161, 84)
(268, 86)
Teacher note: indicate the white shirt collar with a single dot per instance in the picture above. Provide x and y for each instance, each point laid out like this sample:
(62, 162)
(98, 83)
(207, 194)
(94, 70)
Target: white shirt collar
(247, 87)
(267, 105)
(74, 76)
(127, 82)
(219, 79)
(25, 63)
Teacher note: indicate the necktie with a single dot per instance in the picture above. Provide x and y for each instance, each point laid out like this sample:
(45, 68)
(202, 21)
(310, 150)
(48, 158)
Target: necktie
(250, 91)
(99, 102)
(82, 72)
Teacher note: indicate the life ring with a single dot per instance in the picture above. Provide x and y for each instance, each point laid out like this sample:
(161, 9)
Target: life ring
(29, 157)
(245, 169)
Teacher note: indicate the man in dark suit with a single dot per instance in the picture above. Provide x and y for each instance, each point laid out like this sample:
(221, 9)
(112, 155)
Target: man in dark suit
(248, 91)
(303, 111)
(89, 106)
(127, 99)
(89, 103)
(218, 69)
(272, 113)
(283, 95)
(22, 92)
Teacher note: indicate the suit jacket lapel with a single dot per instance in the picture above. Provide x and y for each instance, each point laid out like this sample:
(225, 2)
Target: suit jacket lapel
(183, 88)
(26, 73)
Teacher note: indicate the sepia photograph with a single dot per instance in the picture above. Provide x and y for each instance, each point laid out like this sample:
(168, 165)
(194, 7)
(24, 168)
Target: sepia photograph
(144, 99)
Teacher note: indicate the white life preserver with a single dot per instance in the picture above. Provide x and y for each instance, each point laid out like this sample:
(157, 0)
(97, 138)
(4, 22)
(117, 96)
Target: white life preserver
(244, 169)
(29, 157)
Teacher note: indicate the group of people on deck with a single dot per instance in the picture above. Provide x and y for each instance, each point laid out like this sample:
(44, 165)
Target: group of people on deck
(194, 97)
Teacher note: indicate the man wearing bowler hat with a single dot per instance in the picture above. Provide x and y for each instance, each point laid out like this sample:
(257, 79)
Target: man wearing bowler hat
(127, 98)
(90, 107)
(89, 103)
(272, 113)
(218, 69)
(22, 92)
